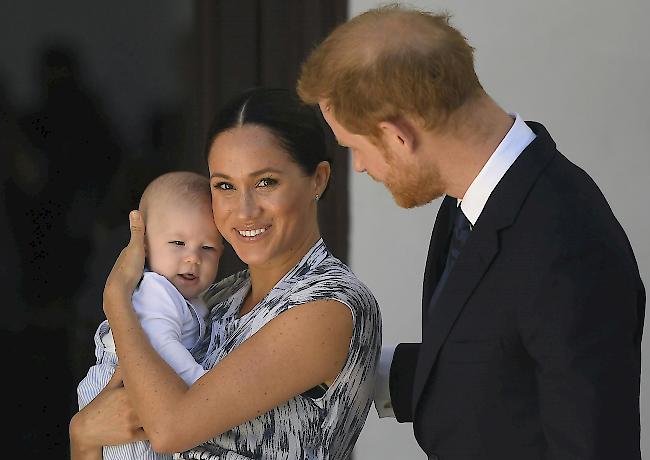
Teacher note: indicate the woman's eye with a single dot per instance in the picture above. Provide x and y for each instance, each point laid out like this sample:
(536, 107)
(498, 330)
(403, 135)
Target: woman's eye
(178, 243)
(223, 186)
(266, 182)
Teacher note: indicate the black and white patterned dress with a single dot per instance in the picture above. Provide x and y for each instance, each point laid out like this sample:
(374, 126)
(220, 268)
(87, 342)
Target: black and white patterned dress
(302, 428)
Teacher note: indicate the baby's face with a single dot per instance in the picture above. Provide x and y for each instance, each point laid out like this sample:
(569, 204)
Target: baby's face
(183, 245)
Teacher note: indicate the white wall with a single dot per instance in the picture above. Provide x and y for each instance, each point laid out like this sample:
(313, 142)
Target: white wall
(582, 68)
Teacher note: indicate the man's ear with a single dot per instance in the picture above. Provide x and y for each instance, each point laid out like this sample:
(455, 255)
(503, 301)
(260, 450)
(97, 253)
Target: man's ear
(400, 135)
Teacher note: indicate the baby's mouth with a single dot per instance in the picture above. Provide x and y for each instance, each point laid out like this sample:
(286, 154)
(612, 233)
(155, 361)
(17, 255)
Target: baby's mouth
(187, 276)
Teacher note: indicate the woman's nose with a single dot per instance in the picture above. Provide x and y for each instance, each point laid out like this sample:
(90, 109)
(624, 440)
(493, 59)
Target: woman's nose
(248, 207)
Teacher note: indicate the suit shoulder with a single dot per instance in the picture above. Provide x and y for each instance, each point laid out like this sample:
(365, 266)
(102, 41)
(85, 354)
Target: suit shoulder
(567, 210)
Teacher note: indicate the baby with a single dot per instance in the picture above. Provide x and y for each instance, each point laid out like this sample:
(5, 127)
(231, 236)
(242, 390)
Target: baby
(183, 247)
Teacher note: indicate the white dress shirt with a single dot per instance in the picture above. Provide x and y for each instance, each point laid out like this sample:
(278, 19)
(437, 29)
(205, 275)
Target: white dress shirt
(515, 141)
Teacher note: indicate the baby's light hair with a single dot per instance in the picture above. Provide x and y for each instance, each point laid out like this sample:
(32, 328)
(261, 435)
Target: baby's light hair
(177, 186)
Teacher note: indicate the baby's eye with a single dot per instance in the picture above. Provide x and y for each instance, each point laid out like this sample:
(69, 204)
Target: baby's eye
(178, 243)
(208, 248)
(266, 182)
(223, 186)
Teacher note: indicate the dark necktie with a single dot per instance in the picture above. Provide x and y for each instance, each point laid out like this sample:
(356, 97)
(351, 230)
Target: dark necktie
(460, 233)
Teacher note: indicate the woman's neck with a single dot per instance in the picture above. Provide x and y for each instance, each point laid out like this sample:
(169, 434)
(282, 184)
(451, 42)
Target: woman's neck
(265, 277)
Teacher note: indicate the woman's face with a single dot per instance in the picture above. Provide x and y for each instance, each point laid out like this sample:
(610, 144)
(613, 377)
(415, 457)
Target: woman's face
(263, 202)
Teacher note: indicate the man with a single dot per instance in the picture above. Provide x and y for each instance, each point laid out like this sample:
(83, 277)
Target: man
(532, 304)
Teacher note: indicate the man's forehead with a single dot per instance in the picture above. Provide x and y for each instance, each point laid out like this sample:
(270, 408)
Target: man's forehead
(328, 116)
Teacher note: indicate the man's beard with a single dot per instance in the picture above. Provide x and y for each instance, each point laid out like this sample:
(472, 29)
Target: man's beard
(413, 192)
(411, 188)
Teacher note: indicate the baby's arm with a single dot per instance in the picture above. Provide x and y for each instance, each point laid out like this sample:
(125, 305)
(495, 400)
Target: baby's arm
(163, 313)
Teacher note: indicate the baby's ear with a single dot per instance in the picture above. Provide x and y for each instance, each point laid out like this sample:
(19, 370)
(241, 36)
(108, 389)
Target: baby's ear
(146, 252)
(146, 246)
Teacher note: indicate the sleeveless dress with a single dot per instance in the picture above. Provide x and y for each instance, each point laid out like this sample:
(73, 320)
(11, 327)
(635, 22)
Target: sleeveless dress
(326, 427)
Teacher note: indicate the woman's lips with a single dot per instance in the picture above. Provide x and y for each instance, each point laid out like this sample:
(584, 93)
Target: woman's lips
(252, 234)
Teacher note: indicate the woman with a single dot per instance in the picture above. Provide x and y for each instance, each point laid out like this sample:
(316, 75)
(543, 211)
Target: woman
(294, 339)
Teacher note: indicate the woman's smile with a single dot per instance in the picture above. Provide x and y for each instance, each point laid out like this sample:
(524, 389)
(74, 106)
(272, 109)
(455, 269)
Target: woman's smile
(253, 234)
(262, 197)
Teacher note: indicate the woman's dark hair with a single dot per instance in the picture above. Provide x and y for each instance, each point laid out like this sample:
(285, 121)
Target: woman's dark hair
(295, 124)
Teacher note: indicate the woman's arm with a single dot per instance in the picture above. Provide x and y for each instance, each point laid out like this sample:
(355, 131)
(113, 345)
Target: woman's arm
(294, 352)
(108, 419)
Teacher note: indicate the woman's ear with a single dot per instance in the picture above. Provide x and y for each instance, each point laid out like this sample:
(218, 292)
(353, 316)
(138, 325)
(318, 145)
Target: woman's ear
(321, 177)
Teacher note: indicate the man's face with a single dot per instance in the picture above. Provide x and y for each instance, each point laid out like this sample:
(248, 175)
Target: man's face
(409, 183)
(366, 156)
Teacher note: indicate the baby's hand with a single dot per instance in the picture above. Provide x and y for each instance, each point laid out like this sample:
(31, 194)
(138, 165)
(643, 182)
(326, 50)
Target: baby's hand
(128, 268)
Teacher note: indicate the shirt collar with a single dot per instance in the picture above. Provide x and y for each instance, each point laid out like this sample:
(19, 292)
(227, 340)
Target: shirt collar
(515, 141)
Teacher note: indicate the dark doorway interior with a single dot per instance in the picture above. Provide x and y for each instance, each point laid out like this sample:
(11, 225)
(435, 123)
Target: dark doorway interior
(95, 101)
(263, 43)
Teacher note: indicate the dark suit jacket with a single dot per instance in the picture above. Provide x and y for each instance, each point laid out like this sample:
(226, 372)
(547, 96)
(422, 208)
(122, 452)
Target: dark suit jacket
(533, 349)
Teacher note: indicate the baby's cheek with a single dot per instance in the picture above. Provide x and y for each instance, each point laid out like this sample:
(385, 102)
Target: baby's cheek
(213, 268)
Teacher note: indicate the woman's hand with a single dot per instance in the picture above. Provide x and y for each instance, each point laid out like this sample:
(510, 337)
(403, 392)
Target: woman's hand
(128, 268)
(109, 419)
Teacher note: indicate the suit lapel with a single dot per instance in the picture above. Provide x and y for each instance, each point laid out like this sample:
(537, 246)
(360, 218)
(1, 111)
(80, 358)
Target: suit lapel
(475, 258)
(481, 248)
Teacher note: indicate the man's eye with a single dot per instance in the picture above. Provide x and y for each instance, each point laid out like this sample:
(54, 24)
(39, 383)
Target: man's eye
(178, 243)
(266, 182)
(223, 186)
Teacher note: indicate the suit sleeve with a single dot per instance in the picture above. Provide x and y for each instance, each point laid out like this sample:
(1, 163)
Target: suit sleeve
(584, 335)
(402, 374)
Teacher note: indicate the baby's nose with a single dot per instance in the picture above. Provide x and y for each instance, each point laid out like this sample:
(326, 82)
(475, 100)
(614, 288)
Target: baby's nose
(192, 259)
